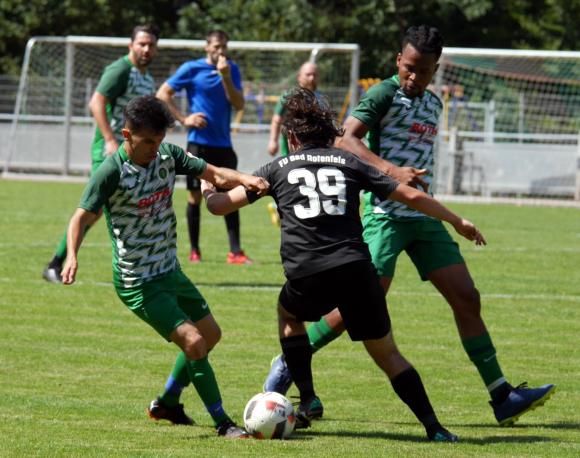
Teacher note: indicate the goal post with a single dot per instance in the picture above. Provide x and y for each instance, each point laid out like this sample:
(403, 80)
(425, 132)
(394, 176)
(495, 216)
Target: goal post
(510, 125)
(51, 128)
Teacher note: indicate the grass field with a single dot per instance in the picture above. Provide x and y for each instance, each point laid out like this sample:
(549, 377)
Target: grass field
(78, 369)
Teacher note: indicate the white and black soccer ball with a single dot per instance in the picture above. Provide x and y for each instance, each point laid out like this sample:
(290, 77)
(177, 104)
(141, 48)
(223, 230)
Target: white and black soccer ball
(269, 416)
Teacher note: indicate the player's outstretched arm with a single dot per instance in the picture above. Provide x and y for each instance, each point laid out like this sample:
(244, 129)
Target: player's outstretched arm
(76, 230)
(351, 140)
(432, 207)
(275, 126)
(222, 203)
(225, 178)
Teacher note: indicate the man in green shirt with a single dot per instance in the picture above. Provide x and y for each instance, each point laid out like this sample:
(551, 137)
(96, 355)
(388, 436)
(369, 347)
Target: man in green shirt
(125, 78)
(400, 116)
(135, 186)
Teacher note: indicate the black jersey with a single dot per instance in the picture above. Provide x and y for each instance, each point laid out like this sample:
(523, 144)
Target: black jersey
(317, 193)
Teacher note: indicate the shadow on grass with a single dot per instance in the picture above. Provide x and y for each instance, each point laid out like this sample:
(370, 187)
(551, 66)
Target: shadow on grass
(574, 426)
(416, 438)
(252, 285)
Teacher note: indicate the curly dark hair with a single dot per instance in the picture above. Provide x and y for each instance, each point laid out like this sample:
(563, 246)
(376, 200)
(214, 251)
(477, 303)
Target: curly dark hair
(148, 112)
(310, 118)
(425, 39)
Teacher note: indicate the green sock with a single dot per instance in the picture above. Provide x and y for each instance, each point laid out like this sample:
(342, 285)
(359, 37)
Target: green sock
(482, 353)
(177, 381)
(320, 334)
(203, 378)
(61, 248)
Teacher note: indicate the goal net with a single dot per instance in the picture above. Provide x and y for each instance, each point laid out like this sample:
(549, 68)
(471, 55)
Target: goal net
(510, 124)
(52, 128)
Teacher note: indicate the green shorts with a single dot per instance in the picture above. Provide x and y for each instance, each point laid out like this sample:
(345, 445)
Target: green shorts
(426, 241)
(165, 302)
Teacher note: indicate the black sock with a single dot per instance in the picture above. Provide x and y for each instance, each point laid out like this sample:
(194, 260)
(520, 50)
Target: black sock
(298, 354)
(56, 263)
(410, 389)
(233, 228)
(193, 218)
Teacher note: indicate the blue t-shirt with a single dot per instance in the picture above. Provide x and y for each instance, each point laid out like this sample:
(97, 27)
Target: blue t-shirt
(206, 94)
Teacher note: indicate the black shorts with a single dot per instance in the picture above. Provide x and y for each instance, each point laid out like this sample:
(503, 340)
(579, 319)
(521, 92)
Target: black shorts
(354, 288)
(220, 157)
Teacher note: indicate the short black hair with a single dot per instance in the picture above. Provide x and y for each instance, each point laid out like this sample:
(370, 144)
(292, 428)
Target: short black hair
(148, 112)
(310, 118)
(425, 39)
(217, 33)
(151, 29)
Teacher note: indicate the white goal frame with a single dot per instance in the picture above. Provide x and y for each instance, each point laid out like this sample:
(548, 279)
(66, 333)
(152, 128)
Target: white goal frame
(315, 50)
(451, 149)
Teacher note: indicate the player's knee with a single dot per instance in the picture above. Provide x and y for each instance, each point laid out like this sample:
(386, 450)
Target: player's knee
(195, 346)
(213, 338)
(469, 302)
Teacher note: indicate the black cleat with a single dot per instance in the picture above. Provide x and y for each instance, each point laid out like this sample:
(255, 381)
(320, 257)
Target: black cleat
(52, 275)
(440, 434)
(157, 410)
(230, 430)
(308, 411)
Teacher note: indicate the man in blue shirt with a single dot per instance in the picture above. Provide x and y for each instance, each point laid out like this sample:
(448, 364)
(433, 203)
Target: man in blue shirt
(213, 86)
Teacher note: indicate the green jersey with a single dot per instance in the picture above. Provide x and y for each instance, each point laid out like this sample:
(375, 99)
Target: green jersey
(402, 130)
(138, 206)
(120, 82)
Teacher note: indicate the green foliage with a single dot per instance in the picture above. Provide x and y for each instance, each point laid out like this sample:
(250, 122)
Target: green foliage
(377, 25)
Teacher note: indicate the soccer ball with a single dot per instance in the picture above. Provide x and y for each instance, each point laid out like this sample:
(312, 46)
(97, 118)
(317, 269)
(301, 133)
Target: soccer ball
(269, 416)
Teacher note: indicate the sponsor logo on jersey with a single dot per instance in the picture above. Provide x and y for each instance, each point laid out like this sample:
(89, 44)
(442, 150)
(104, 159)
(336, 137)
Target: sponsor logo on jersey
(418, 128)
(162, 173)
(155, 197)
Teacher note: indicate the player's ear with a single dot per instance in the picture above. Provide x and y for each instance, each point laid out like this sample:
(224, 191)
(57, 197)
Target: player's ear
(126, 133)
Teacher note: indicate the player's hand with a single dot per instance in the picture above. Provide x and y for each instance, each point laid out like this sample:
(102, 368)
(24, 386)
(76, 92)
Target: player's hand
(468, 230)
(207, 186)
(69, 271)
(272, 147)
(257, 184)
(111, 146)
(222, 66)
(196, 121)
(409, 176)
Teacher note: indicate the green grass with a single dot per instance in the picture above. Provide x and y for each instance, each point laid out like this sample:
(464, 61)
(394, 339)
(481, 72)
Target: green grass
(78, 369)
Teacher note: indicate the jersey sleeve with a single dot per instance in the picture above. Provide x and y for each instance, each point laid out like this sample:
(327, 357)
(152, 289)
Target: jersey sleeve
(181, 78)
(372, 179)
(101, 186)
(185, 163)
(375, 103)
(113, 82)
(279, 108)
(263, 172)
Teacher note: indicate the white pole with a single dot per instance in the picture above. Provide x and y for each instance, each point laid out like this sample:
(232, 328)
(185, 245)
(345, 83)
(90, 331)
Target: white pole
(18, 105)
(68, 88)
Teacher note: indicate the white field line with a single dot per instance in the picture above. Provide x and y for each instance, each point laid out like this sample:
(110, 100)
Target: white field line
(202, 285)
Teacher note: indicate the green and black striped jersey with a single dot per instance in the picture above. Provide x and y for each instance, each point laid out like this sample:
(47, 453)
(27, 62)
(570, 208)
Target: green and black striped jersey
(402, 130)
(138, 205)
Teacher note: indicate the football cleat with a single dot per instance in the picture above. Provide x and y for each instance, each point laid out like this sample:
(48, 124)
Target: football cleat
(440, 434)
(239, 258)
(230, 430)
(520, 401)
(279, 379)
(273, 212)
(195, 256)
(52, 275)
(308, 411)
(157, 410)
